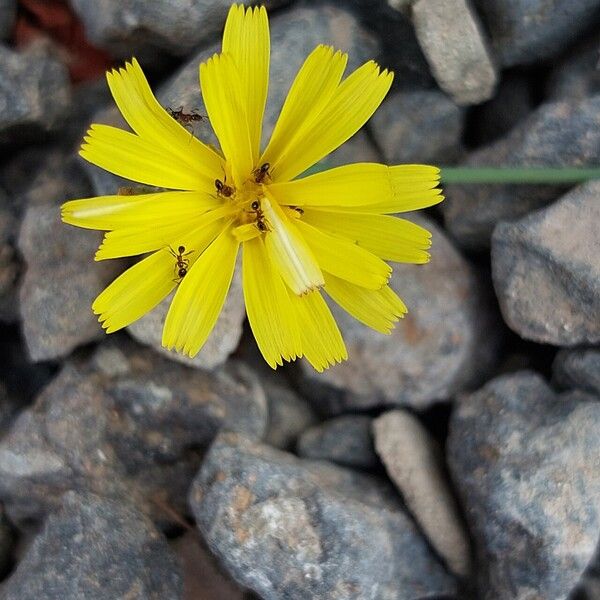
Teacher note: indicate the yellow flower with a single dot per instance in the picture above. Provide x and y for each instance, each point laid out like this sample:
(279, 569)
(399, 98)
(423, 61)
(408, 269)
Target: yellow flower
(329, 232)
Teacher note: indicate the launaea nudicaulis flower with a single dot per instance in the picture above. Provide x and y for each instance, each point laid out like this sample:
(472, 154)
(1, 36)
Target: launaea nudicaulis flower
(301, 237)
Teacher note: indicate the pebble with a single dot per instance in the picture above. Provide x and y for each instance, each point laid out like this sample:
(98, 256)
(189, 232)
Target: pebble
(578, 369)
(546, 271)
(420, 126)
(35, 93)
(415, 464)
(290, 528)
(526, 465)
(557, 134)
(529, 31)
(96, 549)
(447, 341)
(289, 414)
(59, 284)
(137, 27)
(344, 440)
(126, 423)
(454, 44)
(577, 75)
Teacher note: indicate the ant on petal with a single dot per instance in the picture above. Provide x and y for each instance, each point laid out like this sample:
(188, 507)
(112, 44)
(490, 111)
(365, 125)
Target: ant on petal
(182, 264)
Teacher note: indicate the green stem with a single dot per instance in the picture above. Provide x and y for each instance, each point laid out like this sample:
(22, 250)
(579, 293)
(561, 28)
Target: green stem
(518, 175)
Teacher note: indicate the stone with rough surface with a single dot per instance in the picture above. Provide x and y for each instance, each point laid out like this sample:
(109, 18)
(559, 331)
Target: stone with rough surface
(415, 464)
(131, 27)
(527, 31)
(577, 75)
(290, 528)
(418, 126)
(34, 92)
(59, 284)
(558, 134)
(578, 368)
(344, 440)
(96, 549)
(446, 343)
(526, 465)
(546, 270)
(453, 41)
(126, 423)
(289, 414)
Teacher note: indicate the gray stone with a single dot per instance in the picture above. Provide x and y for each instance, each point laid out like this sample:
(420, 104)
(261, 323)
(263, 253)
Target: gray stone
(546, 271)
(454, 44)
(34, 92)
(59, 284)
(560, 134)
(418, 126)
(202, 579)
(577, 76)
(288, 528)
(578, 368)
(526, 464)
(132, 27)
(446, 342)
(345, 440)
(222, 341)
(125, 424)
(8, 12)
(527, 31)
(96, 549)
(415, 464)
(289, 414)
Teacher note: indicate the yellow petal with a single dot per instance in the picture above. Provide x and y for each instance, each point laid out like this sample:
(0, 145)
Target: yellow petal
(343, 258)
(130, 156)
(390, 238)
(288, 251)
(223, 96)
(246, 39)
(351, 105)
(363, 185)
(322, 343)
(270, 311)
(114, 212)
(151, 121)
(312, 89)
(136, 291)
(131, 241)
(378, 309)
(200, 296)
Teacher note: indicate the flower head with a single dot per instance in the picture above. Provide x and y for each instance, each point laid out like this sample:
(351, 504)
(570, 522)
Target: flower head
(300, 237)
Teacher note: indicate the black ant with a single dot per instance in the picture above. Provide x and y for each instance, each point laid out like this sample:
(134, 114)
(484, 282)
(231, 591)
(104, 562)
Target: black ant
(181, 264)
(223, 190)
(186, 119)
(260, 216)
(261, 173)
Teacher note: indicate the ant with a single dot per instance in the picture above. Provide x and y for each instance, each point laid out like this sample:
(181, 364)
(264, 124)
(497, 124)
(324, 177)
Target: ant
(181, 264)
(223, 190)
(260, 216)
(186, 119)
(261, 173)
